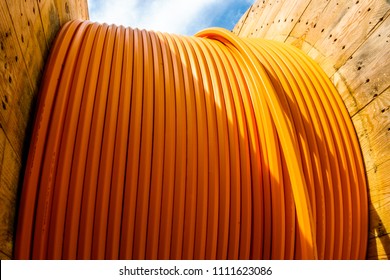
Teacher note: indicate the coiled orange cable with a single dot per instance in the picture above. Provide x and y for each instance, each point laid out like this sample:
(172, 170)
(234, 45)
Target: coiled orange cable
(149, 145)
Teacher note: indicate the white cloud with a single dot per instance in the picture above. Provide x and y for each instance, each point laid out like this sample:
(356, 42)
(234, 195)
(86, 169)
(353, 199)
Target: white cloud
(174, 16)
(178, 14)
(118, 11)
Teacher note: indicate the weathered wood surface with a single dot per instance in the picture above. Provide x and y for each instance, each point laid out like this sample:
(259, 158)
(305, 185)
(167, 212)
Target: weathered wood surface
(27, 30)
(351, 41)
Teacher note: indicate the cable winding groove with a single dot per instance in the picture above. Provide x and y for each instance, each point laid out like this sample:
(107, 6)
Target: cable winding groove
(149, 145)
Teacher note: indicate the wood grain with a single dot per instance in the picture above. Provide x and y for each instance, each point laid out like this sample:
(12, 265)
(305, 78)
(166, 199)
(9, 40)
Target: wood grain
(271, 10)
(251, 17)
(308, 28)
(4, 256)
(379, 231)
(287, 18)
(367, 72)
(10, 165)
(71, 9)
(28, 30)
(50, 20)
(372, 126)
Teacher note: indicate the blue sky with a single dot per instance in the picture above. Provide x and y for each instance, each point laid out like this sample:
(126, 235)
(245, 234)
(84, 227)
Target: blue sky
(184, 17)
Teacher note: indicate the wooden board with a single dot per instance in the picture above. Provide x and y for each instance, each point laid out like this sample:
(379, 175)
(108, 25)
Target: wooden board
(270, 11)
(30, 37)
(4, 256)
(367, 70)
(251, 17)
(68, 10)
(15, 83)
(289, 16)
(346, 36)
(10, 164)
(27, 30)
(50, 20)
(379, 231)
(350, 40)
(372, 125)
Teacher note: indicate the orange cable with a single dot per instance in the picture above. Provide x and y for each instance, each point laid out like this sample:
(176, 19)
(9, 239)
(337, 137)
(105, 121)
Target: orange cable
(148, 145)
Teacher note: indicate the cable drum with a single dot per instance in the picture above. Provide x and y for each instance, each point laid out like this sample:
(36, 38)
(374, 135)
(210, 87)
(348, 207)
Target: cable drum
(149, 145)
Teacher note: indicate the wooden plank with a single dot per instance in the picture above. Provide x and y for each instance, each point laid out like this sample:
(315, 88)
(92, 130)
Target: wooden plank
(50, 20)
(345, 93)
(55, 13)
(254, 13)
(367, 73)
(15, 86)
(68, 10)
(7, 217)
(9, 178)
(10, 165)
(346, 35)
(336, 12)
(8, 56)
(3, 256)
(28, 30)
(82, 9)
(372, 126)
(355, 28)
(309, 27)
(288, 16)
(268, 17)
(377, 248)
(379, 210)
(21, 116)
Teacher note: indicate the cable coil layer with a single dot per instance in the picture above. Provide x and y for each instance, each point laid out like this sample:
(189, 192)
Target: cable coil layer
(149, 145)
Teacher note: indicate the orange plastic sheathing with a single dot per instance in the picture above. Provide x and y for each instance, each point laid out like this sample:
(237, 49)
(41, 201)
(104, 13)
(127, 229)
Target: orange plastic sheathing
(149, 145)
